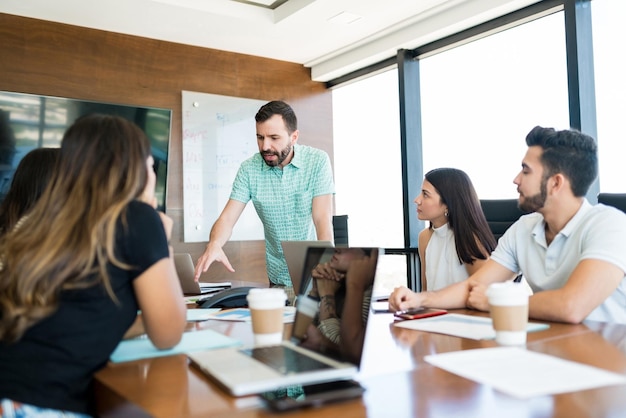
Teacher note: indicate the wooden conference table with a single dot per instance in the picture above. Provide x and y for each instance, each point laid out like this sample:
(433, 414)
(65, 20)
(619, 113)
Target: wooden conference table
(399, 383)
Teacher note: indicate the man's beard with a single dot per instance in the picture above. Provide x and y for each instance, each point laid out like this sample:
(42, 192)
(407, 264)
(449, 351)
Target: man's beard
(532, 204)
(282, 155)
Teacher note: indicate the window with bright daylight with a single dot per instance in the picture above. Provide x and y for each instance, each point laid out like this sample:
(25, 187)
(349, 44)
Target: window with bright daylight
(368, 171)
(608, 17)
(479, 101)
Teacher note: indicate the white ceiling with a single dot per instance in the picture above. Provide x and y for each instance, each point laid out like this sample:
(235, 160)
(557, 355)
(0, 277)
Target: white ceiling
(332, 37)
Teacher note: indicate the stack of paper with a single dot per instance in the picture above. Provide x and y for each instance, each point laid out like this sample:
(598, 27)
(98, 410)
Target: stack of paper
(458, 325)
(214, 286)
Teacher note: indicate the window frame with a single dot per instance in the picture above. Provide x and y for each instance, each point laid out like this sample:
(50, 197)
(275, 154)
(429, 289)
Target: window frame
(581, 95)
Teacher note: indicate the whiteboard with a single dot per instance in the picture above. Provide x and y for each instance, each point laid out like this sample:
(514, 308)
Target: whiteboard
(219, 133)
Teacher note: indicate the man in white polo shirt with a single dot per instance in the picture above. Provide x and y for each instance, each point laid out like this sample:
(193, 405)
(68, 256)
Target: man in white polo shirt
(291, 187)
(572, 254)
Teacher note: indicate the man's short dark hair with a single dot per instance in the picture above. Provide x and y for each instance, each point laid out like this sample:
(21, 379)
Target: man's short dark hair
(569, 152)
(277, 107)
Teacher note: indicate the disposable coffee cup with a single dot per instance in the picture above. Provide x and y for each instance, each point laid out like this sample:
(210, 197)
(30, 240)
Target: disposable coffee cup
(508, 306)
(306, 309)
(267, 306)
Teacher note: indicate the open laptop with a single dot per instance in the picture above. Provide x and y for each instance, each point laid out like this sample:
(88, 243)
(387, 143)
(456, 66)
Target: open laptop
(186, 270)
(295, 254)
(257, 369)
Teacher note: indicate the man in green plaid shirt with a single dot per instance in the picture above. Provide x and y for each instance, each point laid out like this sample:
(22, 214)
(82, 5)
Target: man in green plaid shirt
(291, 187)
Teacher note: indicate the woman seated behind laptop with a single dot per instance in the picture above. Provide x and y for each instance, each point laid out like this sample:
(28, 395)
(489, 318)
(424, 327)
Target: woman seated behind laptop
(90, 254)
(344, 291)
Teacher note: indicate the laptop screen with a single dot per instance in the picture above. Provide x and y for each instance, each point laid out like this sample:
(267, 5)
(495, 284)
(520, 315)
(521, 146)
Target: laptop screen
(334, 299)
(295, 255)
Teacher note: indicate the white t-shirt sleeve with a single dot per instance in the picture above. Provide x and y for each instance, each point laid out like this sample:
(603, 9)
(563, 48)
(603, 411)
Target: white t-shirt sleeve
(605, 237)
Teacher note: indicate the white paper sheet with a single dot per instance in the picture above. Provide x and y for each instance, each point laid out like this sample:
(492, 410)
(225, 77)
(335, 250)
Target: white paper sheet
(142, 347)
(191, 300)
(524, 374)
(201, 314)
(212, 285)
(243, 314)
(458, 325)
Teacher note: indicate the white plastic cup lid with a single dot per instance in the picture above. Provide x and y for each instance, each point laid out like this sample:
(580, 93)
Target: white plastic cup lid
(507, 293)
(266, 298)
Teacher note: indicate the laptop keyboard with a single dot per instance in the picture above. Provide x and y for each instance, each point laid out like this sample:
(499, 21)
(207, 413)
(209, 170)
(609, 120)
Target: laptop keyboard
(285, 360)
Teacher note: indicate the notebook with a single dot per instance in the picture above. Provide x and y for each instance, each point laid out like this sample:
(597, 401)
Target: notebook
(256, 369)
(186, 270)
(295, 253)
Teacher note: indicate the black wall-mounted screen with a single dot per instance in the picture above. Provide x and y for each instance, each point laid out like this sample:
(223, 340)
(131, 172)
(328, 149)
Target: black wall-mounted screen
(30, 121)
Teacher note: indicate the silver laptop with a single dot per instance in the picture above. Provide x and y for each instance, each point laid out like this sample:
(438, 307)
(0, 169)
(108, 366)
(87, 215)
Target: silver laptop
(295, 253)
(254, 370)
(186, 270)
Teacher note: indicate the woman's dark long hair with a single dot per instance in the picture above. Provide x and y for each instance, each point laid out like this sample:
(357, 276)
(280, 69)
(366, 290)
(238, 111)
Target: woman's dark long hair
(465, 215)
(31, 177)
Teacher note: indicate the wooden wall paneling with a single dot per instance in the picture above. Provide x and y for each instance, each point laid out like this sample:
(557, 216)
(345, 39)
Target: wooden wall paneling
(55, 59)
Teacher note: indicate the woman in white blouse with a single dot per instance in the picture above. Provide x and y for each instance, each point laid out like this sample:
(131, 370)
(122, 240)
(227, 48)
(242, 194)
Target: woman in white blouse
(458, 240)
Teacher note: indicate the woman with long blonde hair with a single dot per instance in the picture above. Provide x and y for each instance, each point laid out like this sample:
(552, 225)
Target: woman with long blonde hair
(90, 255)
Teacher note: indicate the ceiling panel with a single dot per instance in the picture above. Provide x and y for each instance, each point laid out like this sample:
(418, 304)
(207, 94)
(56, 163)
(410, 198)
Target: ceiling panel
(332, 37)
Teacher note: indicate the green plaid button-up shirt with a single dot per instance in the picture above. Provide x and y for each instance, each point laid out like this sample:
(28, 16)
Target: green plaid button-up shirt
(283, 199)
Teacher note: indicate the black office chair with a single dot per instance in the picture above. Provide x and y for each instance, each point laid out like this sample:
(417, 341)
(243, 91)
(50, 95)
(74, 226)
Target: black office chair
(340, 230)
(617, 200)
(500, 214)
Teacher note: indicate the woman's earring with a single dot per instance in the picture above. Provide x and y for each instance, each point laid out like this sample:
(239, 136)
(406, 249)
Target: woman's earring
(445, 213)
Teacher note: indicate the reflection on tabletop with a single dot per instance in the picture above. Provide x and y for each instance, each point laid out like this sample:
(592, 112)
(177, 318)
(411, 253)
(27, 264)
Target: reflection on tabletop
(165, 375)
(430, 343)
(614, 333)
